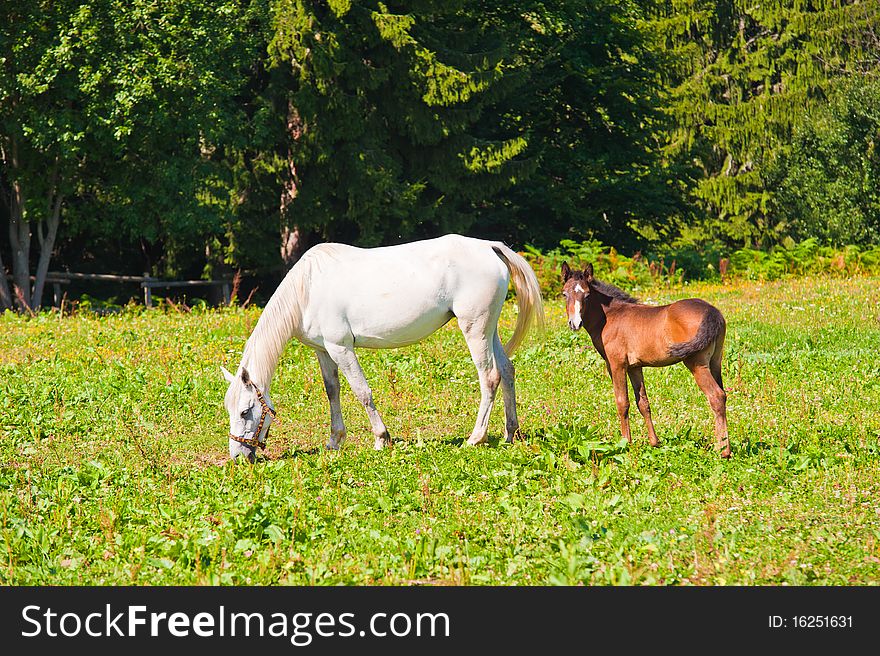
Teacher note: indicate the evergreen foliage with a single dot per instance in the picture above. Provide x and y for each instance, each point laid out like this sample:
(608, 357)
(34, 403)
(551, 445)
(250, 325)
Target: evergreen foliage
(388, 100)
(743, 75)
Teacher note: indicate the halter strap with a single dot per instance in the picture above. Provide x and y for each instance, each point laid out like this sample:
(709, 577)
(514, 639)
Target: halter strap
(255, 440)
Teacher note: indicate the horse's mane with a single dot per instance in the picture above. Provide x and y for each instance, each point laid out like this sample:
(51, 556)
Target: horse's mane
(282, 317)
(614, 292)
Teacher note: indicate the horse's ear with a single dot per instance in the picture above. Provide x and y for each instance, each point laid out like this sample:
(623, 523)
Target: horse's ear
(245, 376)
(227, 375)
(566, 271)
(588, 272)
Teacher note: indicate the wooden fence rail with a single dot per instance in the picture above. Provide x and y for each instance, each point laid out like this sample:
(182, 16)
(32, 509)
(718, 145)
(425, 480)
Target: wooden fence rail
(147, 283)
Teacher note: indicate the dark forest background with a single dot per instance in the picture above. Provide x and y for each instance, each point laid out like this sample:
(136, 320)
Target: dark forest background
(196, 139)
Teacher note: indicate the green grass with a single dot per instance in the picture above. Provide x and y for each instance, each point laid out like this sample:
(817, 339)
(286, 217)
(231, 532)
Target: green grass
(113, 465)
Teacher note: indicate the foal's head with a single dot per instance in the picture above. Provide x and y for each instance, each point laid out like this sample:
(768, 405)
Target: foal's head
(576, 289)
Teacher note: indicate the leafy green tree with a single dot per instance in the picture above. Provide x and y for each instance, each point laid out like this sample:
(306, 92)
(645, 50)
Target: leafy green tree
(111, 111)
(527, 121)
(828, 182)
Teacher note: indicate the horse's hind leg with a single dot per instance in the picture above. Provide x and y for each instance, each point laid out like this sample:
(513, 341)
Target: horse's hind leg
(330, 374)
(505, 368)
(637, 378)
(717, 398)
(348, 363)
(479, 340)
(716, 358)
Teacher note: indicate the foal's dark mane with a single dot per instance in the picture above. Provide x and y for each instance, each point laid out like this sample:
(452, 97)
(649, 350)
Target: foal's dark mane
(614, 292)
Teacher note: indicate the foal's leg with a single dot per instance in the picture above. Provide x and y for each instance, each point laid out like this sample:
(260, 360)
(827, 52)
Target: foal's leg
(348, 363)
(717, 401)
(621, 397)
(637, 378)
(330, 374)
(479, 340)
(505, 367)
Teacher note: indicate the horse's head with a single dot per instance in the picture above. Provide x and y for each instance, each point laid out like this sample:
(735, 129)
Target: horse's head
(576, 289)
(250, 414)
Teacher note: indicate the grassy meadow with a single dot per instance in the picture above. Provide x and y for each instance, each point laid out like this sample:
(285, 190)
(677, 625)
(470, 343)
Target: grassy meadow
(114, 467)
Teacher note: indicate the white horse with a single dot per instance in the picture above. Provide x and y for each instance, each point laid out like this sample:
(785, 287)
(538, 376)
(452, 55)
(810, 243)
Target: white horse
(339, 297)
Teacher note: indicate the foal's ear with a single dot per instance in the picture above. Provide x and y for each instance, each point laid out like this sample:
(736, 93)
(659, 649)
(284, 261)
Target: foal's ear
(227, 375)
(588, 272)
(566, 271)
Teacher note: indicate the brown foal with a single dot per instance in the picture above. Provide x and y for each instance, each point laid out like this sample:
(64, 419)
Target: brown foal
(629, 335)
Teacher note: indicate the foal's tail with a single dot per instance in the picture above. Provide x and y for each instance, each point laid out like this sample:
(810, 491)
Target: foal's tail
(528, 294)
(712, 328)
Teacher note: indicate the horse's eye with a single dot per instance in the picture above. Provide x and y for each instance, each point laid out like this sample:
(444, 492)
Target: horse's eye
(244, 413)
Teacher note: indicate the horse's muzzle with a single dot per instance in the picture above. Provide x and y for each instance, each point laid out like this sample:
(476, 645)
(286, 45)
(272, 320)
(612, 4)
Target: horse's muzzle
(238, 450)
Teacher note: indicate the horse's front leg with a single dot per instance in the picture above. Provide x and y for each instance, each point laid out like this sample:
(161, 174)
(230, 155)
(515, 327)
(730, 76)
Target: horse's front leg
(347, 362)
(330, 374)
(621, 397)
(637, 378)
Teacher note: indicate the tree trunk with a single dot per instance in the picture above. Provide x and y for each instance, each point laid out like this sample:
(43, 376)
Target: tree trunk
(47, 243)
(5, 295)
(19, 232)
(291, 243)
(20, 241)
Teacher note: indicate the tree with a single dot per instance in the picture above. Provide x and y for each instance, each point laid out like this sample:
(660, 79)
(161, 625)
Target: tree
(828, 182)
(387, 100)
(743, 74)
(118, 106)
(590, 107)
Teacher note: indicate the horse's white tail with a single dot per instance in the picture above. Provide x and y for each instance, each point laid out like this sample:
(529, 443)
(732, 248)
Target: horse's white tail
(528, 294)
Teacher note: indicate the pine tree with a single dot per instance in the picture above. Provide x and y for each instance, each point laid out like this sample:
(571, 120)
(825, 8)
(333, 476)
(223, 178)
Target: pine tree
(742, 74)
(386, 101)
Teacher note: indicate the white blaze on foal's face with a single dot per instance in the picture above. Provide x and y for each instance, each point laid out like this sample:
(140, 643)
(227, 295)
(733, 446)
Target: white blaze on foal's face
(575, 316)
(576, 290)
(575, 294)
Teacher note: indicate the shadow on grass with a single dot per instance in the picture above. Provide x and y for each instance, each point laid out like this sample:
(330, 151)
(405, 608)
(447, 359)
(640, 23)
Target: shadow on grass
(581, 442)
(291, 453)
(495, 441)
